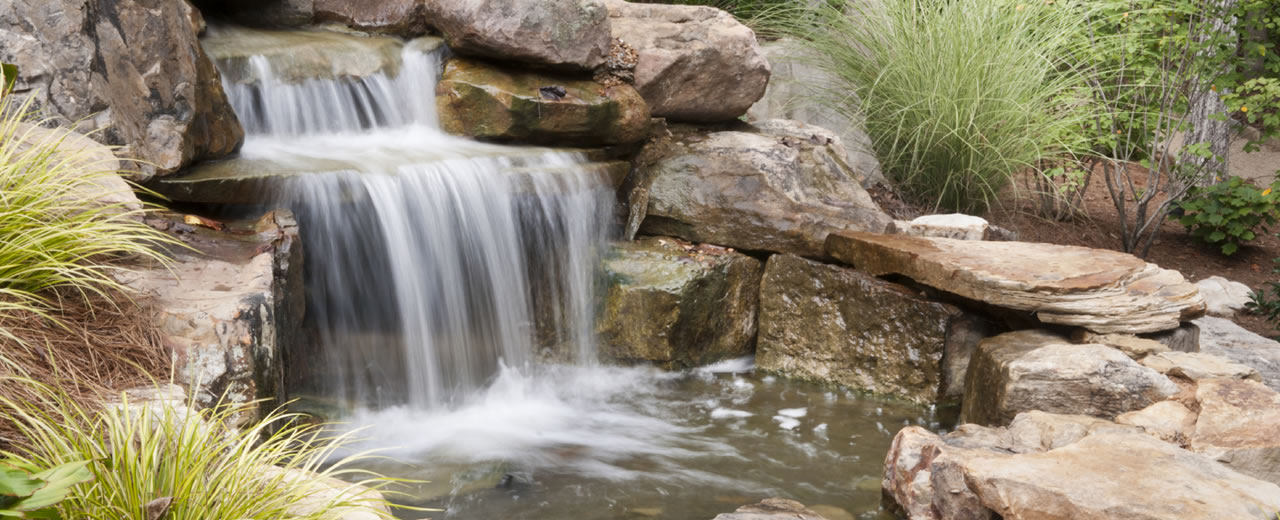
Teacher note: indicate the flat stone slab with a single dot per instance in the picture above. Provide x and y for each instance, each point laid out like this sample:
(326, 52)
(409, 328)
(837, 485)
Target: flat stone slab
(1103, 291)
(1222, 337)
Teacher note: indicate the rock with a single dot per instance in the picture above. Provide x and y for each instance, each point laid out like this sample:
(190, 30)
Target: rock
(1035, 370)
(126, 72)
(832, 324)
(1103, 291)
(1169, 421)
(1036, 431)
(84, 156)
(829, 512)
(571, 34)
(479, 100)
(772, 509)
(1198, 365)
(1133, 346)
(976, 473)
(1238, 425)
(1185, 338)
(368, 503)
(956, 225)
(752, 189)
(1224, 297)
(1224, 338)
(298, 56)
(696, 63)
(677, 304)
(406, 18)
(793, 87)
(225, 310)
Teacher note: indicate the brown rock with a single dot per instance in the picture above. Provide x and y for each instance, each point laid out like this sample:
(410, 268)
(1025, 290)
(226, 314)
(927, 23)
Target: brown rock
(406, 18)
(833, 324)
(1198, 365)
(1133, 346)
(772, 509)
(570, 34)
(1239, 425)
(1169, 421)
(1103, 291)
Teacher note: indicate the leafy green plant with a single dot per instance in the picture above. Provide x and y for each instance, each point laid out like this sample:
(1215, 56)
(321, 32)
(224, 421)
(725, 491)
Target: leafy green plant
(27, 491)
(169, 461)
(1229, 213)
(1266, 300)
(956, 96)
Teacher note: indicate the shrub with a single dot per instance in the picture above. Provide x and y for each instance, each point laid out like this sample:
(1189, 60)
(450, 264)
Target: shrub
(1228, 213)
(957, 96)
(1266, 301)
(27, 491)
(171, 462)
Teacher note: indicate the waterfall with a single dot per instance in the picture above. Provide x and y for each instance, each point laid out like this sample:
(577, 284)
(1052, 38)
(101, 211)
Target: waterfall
(432, 261)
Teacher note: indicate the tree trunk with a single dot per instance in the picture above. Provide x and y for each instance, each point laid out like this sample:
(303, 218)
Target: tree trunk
(1207, 107)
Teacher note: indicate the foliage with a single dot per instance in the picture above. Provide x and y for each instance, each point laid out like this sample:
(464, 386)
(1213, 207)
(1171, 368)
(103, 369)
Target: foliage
(169, 461)
(8, 76)
(27, 491)
(1266, 301)
(766, 17)
(1257, 102)
(55, 233)
(957, 96)
(1228, 213)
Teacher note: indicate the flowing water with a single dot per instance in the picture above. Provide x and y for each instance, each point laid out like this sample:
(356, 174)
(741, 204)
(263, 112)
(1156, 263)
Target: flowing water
(440, 270)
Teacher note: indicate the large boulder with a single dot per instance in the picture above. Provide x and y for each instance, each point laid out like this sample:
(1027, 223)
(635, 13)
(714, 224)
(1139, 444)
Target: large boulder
(476, 99)
(1239, 425)
(696, 63)
(130, 71)
(778, 187)
(572, 34)
(225, 309)
(1076, 470)
(677, 304)
(1224, 297)
(1103, 291)
(1223, 337)
(832, 324)
(1035, 370)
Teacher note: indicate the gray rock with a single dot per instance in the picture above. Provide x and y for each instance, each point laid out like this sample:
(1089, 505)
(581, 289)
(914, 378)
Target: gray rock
(406, 18)
(131, 71)
(836, 325)
(1224, 297)
(696, 63)
(1034, 370)
(572, 34)
(956, 225)
(677, 304)
(1185, 338)
(1222, 337)
(753, 188)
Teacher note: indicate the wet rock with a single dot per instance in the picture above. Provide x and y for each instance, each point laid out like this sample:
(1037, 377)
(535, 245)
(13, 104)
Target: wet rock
(572, 34)
(1103, 291)
(225, 310)
(130, 71)
(1222, 337)
(1169, 421)
(406, 18)
(1036, 370)
(835, 325)
(298, 56)
(480, 100)
(1198, 365)
(1239, 425)
(696, 63)
(980, 473)
(753, 188)
(1224, 297)
(772, 509)
(678, 304)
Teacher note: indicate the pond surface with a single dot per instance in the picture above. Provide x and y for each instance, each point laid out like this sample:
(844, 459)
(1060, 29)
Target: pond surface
(604, 443)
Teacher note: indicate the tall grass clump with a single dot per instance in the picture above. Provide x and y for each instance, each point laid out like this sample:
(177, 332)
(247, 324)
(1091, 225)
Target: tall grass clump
(166, 460)
(956, 95)
(57, 235)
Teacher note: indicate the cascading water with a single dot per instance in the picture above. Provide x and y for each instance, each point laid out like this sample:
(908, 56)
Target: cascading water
(426, 252)
(438, 266)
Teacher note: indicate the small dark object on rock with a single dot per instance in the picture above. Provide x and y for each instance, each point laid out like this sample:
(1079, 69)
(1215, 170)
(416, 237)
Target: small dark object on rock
(506, 481)
(553, 93)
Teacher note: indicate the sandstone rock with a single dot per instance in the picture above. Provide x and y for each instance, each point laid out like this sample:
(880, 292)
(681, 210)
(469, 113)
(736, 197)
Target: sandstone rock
(835, 325)
(1198, 365)
(132, 71)
(1103, 291)
(479, 100)
(1169, 421)
(772, 509)
(225, 310)
(677, 304)
(956, 225)
(1224, 338)
(1239, 425)
(752, 189)
(1035, 370)
(1036, 431)
(1133, 346)
(298, 56)
(924, 480)
(570, 34)
(696, 63)
(1224, 297)
(401, 17)
(793, 86)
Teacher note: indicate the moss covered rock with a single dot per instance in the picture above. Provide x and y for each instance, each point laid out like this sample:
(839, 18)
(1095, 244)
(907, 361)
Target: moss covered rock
(480, 100)
(678, 305)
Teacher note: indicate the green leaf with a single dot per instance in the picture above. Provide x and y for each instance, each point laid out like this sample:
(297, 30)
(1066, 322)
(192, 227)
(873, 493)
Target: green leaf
(1216, 236)
(60, 481)
(1229, 248)
(8, 75)
(15, 482)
